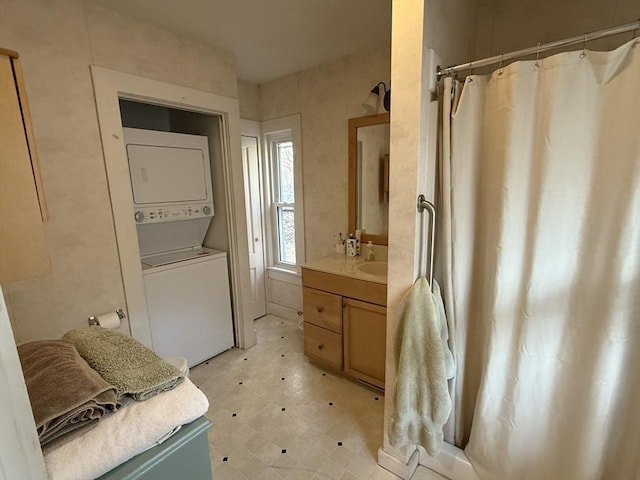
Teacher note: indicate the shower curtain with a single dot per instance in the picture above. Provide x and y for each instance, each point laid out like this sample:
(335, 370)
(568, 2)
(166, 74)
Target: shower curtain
(540, 252)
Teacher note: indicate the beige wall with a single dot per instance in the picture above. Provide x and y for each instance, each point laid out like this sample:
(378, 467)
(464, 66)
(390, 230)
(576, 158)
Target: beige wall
(57, 41)
(249, 100)
(448, 28)
(326, 96)
(505, 25)
(285, 294)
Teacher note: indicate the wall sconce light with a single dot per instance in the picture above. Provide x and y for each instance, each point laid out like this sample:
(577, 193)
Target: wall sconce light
(371, 103)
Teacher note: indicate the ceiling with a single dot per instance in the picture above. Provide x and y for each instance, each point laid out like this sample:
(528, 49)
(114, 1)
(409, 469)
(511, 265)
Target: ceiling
(270, 38)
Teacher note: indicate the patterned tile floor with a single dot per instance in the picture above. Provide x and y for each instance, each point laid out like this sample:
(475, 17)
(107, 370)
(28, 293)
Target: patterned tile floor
(276, 416)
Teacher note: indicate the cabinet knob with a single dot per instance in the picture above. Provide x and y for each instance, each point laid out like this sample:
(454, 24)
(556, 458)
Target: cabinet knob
(320, 347)
(319, 309)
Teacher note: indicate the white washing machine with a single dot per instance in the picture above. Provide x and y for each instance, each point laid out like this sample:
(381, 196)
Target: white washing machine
(189, 303)
(186, 285)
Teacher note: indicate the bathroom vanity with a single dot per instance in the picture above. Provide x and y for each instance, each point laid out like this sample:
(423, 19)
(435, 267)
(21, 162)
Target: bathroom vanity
(345, 298)
(344, 304)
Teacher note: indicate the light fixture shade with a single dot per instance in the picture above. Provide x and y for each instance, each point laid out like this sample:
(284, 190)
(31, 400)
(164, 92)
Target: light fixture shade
(370, 105)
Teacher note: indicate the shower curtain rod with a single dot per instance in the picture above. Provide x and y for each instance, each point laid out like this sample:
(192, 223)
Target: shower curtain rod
(628, 27)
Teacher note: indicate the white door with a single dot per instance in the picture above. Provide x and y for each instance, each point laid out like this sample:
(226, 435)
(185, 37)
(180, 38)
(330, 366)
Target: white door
(253, 202)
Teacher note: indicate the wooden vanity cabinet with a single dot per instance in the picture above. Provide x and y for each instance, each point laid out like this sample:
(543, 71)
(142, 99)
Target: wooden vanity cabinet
(343, 329)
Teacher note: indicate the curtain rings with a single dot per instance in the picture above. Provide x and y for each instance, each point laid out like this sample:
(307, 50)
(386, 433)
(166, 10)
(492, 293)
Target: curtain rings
(500, 69)
(537, 64)
(584, 47)
(637, 36)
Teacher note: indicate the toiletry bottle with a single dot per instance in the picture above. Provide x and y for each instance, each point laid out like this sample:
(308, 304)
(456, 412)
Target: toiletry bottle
(358, 236)
(371, 256)
(351, 247)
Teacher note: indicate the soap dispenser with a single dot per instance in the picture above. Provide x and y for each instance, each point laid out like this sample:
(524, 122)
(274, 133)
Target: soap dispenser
(371, 256)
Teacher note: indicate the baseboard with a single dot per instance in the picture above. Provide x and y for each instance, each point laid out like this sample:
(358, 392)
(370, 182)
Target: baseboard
(398, 467)
(450, 462)
(284, 312)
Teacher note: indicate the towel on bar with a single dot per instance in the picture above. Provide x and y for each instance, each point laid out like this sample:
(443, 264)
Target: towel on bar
(421, 399)
(449, 362)
(124, 362)
(67, 397)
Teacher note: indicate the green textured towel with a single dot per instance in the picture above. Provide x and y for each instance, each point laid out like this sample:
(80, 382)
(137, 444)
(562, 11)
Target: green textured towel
(124, 362)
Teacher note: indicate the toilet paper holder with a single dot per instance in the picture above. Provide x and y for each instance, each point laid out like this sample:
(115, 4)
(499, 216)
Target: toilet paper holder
(93, 319)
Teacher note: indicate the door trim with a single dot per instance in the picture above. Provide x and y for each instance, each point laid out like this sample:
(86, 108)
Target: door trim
(109, 87)
(251, 128)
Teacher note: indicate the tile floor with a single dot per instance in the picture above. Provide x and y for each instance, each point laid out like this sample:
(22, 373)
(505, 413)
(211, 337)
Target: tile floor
(277, 416)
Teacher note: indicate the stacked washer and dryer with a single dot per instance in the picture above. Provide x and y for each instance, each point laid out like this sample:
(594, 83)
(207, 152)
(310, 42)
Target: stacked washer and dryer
(186, 284)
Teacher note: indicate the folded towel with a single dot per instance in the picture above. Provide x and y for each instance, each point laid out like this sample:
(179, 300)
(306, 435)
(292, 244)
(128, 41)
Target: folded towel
(136, 427)
(67, 397)
(421, 403)
(124, 362)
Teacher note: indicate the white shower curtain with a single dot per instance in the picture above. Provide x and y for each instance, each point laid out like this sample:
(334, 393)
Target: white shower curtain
(540, 251)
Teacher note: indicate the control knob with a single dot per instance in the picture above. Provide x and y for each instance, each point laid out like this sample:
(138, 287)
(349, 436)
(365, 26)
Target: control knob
(206, 210)
(138, 216)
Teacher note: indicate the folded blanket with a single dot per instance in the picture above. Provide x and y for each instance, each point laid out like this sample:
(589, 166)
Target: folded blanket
(124, 362)
(67, 397)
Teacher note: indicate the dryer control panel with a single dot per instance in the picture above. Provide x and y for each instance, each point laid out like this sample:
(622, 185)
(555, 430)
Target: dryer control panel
(172, 213)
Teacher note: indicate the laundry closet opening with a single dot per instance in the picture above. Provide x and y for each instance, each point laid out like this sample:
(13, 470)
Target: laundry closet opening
(176, 168)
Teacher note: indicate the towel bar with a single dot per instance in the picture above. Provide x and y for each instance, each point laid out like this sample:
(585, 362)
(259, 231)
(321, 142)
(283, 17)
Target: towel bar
(423, 204)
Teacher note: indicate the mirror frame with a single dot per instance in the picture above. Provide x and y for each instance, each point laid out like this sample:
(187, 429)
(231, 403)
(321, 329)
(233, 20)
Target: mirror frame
(354, 124)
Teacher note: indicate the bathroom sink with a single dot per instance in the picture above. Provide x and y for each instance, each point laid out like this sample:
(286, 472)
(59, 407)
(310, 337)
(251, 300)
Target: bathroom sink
(373, 268)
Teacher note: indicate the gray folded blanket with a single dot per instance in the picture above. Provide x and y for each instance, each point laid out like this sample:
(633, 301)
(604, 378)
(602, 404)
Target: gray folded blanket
(124, 362)
(67, 397)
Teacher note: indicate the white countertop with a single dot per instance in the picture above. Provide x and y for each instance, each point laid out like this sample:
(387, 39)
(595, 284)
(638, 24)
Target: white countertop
(340, 264)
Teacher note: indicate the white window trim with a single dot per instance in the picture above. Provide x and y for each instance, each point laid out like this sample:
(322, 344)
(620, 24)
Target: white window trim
(272, 130)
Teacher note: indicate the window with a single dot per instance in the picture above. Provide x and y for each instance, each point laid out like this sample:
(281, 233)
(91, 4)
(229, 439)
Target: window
(284, 201)
(285, 181)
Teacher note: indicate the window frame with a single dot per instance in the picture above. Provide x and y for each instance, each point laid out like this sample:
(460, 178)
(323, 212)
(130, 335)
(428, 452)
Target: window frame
(277, 131)
(277, 205)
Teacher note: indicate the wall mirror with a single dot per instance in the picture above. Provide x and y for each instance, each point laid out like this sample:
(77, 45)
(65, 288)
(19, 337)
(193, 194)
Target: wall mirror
(369, 177)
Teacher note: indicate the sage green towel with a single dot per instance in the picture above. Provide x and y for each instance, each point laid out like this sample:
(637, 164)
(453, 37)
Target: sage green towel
(124, 362)
(421, 399)
(67, 397)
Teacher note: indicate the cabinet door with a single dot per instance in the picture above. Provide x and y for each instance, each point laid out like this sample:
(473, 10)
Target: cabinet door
(364, 338)
(23, 250)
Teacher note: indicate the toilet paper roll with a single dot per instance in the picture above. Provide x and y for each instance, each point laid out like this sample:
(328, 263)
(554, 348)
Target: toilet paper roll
(109, 320)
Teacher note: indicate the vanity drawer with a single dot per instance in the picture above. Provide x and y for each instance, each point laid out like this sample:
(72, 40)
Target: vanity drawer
(323, 346)
(322, 309)
(364, 290)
